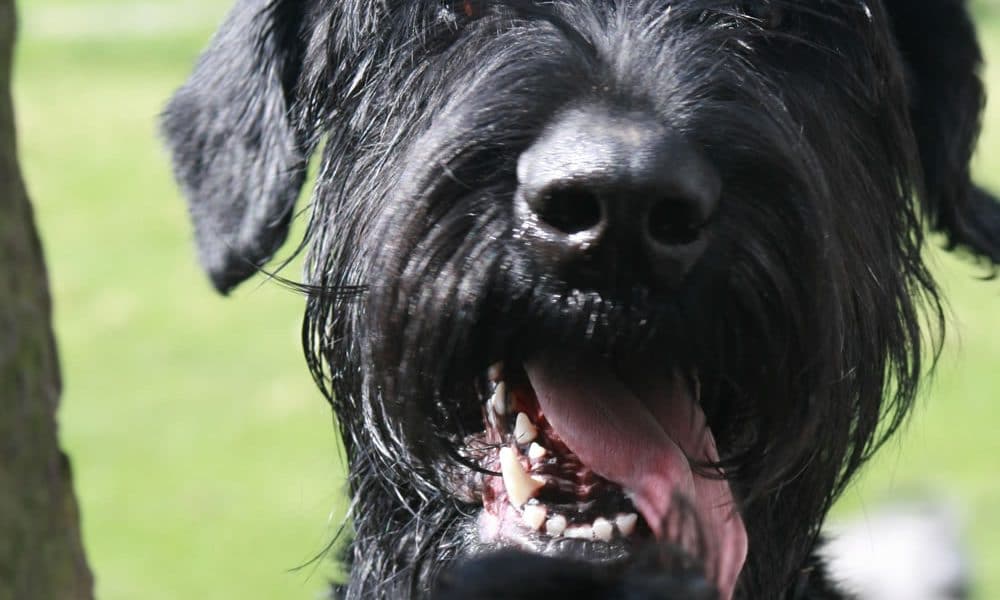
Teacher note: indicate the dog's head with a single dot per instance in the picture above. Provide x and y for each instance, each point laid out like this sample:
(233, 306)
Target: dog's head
(611, 250)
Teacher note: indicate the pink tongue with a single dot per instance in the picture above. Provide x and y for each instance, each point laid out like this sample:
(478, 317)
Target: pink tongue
(639, 437)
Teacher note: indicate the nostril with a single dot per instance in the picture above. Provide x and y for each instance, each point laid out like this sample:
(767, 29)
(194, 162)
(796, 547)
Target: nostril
(675, 222)
(568, 209)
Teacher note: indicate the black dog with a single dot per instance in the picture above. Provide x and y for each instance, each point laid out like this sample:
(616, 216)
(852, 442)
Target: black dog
(682, 238)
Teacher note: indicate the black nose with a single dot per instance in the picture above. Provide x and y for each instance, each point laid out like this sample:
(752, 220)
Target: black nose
(605, 197)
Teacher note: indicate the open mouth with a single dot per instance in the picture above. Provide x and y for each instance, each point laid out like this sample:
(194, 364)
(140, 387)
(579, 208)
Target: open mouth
(545, 492)
(592, 456)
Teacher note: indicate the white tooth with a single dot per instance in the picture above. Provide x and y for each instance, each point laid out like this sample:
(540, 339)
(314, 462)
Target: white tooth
(603, 529)
(556, 525)
(626, 523)
(536, 452)
(520, 486)
(534, 516)
(495, 372)
(580, 532)
(498, 402)
(524, 430)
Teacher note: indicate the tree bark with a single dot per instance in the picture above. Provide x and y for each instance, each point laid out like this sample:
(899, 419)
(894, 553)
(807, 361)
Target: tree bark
(41, 555)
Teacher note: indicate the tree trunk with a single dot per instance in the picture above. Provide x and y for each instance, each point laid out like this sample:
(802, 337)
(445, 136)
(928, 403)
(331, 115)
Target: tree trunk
(41, 557)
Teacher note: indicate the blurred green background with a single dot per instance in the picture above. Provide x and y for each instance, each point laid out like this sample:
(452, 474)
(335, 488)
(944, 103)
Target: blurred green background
(205, 461)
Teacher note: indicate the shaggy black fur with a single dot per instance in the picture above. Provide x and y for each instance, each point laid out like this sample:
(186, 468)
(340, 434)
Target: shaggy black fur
(837, 127)
(671, 576)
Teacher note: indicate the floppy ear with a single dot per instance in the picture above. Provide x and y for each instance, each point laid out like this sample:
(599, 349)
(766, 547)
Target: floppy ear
(236, 152)
(939, 46)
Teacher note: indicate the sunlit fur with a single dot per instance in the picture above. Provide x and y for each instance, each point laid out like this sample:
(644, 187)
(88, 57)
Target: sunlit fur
(810, 318)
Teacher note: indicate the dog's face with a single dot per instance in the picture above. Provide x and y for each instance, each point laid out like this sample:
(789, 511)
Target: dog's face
(570, 262)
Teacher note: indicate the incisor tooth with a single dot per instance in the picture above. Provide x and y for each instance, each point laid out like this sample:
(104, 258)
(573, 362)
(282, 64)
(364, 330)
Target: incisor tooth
(580, 532)
(534, 516)
(520, 486)
(524, 430)
(626, 523)
(603, 529)
(498, 402)
(536, 451)
(556, 525)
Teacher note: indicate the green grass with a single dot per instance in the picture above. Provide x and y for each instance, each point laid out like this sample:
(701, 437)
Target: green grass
(204, 458)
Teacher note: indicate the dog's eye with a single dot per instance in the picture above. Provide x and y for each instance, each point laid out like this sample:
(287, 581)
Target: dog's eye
(769, 13)
(456, 12)
(470, 9)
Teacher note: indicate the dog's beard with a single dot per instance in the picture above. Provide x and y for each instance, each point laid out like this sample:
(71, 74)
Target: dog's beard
(662, 569)
(607, 380)
(603, 374)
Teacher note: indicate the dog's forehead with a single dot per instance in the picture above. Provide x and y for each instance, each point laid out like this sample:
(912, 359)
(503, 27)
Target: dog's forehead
(766, 12)
(762, 9)
(850, 29)
(402, 29)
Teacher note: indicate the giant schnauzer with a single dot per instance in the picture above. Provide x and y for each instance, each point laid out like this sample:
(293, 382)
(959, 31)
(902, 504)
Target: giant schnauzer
(572, 263)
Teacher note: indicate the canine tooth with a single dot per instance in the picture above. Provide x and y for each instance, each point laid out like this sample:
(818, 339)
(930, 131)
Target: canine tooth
(498, 402)
(524, 430)
(521, 487)
(534, 516)
(556, 525)
(536, 451)
(626, 523)
(580, 532)
(495, 372)
(603, 529)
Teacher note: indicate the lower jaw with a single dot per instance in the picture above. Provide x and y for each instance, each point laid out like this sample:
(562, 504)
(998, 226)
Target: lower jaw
(508, 531)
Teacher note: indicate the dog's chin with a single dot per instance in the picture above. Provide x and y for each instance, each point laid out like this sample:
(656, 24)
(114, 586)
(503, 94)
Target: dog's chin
(594, 455)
